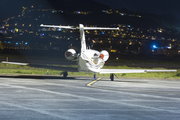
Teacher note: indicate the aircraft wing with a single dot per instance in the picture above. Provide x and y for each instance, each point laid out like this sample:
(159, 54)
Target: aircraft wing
(44, 66)
(15, 63)
(106, 71)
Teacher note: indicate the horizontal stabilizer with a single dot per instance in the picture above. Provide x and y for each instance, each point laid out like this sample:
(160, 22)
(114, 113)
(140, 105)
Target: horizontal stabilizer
(15, 63)
(85, 28)
(100, 28)
(66, 27)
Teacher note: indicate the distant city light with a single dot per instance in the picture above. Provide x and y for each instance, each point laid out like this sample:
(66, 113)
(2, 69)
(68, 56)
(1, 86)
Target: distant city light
(154, 46)
(169, 47)
(21, 27)
(128, 25)
(59, 29)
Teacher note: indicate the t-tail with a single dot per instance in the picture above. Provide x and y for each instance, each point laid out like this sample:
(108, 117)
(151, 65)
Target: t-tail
(81, 30)
(82, 34)
(82, 37)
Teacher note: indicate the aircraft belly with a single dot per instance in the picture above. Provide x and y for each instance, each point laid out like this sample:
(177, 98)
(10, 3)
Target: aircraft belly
(88, 65)
(82, 67)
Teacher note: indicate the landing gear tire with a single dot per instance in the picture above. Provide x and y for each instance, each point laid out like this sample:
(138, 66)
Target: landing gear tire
(112, 77)
(65, 74)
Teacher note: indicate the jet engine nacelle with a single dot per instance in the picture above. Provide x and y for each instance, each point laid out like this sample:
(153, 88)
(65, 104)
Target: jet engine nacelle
(104, 55)
(70, 54)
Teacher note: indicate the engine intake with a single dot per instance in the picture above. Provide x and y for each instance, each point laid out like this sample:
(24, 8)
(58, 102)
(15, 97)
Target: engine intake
(70, 54)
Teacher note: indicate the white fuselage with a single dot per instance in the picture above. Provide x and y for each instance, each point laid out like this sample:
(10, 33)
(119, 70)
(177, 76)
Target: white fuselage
(89, 61)
(92, 60)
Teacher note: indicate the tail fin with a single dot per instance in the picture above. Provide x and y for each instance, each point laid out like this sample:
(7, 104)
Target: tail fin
(82, 34)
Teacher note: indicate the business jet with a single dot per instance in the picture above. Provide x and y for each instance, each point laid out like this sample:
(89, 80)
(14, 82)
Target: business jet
(92, 61)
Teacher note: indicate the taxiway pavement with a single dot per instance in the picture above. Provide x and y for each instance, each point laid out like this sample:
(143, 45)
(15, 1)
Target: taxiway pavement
(76, 98)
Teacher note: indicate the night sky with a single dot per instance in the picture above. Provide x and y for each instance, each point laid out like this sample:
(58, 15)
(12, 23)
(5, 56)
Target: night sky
(148, 6)
(13, 7)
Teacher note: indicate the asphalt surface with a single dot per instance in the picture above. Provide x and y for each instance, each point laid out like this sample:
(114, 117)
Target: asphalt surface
(76, 98)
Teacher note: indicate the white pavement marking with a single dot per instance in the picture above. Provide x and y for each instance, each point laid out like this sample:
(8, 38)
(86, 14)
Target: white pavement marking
(84, 97)
(35, 110)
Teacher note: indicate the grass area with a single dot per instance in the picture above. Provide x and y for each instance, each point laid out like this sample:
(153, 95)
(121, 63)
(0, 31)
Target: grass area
(170, 62)
(18, 69)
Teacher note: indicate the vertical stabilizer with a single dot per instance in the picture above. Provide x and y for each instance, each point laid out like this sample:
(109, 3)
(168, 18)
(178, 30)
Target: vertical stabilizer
(81, 30)
(82, 37)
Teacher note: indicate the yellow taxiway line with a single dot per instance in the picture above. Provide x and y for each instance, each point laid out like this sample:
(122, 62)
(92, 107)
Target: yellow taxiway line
(90, 84)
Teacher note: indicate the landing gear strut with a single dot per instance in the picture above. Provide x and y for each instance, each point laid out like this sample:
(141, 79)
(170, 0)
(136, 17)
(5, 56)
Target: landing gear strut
(65, 74)
(95, 76)
(112, 77)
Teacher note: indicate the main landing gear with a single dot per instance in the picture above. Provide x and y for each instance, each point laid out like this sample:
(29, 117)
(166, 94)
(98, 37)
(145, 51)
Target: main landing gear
(112, 76)
(94, 76)
(65, 74)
